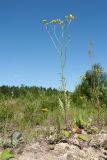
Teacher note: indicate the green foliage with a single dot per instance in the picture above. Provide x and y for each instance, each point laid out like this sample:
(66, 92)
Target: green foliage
(81, 123)
(6, 112)
(6, 154)
(95, 82)
(83, 137)
(65, 133)
(28, 110)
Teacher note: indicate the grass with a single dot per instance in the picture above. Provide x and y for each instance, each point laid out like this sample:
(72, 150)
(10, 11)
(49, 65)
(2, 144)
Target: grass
(35, 117)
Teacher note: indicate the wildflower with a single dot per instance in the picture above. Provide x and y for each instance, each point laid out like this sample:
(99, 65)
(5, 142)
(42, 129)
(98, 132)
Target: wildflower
(44, 21)
(71, 17)
(44, 109)
(54, 21)
(61, 22)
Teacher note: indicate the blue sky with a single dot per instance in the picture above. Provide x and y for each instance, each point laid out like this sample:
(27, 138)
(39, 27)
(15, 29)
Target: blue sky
(27, 55)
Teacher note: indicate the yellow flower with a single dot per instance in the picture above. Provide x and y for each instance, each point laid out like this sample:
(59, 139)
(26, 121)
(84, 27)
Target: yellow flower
(44, 109)
(61, 22)
(54, 21)
(71, 17)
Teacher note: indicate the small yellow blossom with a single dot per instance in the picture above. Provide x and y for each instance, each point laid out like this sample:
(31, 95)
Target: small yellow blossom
(61, 22)
(71, 17)
(44, 109)
(54, 21)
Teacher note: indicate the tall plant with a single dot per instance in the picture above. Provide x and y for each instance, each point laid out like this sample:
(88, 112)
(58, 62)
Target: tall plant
(58, 31)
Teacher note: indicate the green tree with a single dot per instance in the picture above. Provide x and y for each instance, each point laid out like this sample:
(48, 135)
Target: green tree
(93, 82)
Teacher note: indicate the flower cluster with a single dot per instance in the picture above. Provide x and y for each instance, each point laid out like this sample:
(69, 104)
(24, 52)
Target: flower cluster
(58, 21)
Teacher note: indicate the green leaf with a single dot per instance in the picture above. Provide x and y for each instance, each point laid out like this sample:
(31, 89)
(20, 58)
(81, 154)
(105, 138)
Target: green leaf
(83, 137)
(15, 138)
(65, 133)
(6, 154)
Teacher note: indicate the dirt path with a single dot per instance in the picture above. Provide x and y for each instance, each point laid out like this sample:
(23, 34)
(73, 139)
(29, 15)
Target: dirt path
(41, 150)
